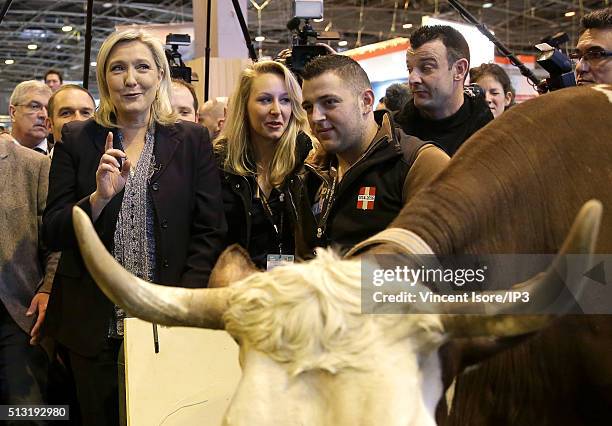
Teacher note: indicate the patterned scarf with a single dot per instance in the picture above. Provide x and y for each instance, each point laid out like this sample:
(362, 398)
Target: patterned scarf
(135, 233)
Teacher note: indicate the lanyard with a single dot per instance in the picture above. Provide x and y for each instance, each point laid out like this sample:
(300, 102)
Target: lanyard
(326, 207)
(278, 229)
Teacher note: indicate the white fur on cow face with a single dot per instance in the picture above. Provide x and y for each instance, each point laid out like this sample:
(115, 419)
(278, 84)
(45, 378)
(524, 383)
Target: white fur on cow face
(606, 89)
(310, 357)
(391, 394)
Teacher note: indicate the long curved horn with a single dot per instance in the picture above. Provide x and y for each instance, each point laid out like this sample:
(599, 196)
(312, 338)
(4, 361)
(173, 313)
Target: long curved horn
(172, 306)
(543, 288)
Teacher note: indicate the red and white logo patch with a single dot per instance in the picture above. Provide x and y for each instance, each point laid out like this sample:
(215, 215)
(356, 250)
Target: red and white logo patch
(366, 197)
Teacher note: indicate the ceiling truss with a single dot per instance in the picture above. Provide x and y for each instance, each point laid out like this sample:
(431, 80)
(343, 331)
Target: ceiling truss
(517, 23)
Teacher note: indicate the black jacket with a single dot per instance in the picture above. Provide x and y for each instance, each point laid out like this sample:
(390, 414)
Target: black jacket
(369, 196)
(448, 133)
(238, 192)
(189, 222)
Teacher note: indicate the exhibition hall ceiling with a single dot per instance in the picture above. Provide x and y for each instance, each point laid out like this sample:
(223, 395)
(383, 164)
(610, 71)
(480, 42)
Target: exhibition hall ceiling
(57, 27)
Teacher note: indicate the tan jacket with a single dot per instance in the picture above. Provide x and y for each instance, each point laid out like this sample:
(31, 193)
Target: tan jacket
(24, 176)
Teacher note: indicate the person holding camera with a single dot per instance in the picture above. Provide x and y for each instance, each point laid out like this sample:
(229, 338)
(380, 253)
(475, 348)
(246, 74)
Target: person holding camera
(261, 148)
(438, 63)
(150, 185)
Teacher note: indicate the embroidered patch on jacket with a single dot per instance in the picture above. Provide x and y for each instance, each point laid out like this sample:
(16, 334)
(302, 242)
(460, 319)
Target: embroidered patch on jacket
(366, 197)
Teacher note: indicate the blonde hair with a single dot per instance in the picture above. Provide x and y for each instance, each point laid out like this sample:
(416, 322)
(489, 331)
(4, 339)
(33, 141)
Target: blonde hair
(308, 316)
(161, 109)
(234, 138)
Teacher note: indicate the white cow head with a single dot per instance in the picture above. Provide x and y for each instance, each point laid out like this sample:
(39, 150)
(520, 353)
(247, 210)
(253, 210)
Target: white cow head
(310, 357)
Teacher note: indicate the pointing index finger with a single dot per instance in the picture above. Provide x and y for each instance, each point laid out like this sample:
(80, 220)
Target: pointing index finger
(109, 142)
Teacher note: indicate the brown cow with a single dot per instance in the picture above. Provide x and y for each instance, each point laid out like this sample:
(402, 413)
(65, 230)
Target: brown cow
(514, 188)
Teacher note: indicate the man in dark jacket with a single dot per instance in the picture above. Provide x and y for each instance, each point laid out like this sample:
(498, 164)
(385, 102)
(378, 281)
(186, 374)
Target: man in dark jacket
(438, 62)
(365, 171)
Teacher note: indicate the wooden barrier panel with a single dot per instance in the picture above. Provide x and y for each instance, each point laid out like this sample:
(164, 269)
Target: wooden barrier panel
(189, 382)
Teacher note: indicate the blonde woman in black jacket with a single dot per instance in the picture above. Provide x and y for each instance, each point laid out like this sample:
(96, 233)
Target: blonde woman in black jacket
(150, 184)
(262, 147)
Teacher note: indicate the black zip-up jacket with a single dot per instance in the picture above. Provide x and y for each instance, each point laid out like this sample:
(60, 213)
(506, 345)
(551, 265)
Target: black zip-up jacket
(448, 133)
(369, 196)
(238, 192)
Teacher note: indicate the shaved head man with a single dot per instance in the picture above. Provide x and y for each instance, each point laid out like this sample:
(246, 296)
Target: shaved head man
(212, 116)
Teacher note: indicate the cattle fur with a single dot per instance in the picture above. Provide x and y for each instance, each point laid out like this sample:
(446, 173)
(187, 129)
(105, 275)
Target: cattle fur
(308, 316)
(515, 187)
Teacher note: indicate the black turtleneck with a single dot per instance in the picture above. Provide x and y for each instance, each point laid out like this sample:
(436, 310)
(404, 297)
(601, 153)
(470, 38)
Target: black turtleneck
(450, 132)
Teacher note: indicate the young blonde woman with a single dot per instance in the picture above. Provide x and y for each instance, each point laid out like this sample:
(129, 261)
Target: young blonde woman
(260, 151)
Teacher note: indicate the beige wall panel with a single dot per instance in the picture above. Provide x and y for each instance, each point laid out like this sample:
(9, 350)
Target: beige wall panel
(189, 382)
(224, 75)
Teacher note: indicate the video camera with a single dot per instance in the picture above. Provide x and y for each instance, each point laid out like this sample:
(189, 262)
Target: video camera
(474, 91)
(558, 64)
(178, 69)
(304, 40)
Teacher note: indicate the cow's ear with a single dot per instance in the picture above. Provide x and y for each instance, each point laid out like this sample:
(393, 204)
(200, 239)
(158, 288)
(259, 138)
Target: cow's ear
(233, 265)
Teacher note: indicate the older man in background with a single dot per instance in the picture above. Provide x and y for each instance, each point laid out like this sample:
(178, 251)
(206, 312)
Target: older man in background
(28, 112)
(26, 275)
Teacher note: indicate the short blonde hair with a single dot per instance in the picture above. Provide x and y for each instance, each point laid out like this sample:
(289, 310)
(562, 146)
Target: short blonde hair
(234, 138)
(161, 109)
(23, 88)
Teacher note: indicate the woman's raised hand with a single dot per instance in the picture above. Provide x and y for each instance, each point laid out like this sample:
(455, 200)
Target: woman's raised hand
(112, 172)
(111, 176)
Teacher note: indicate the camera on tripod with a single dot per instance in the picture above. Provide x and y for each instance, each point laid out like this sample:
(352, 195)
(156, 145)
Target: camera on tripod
(304, 47)
(558, 64)
(178, 69)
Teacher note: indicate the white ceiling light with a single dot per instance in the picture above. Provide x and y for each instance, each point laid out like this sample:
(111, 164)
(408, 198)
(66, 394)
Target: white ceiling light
(487, 5)
(570, 14)
(406, 26)
(32, 47)
(66, 28)
(93, 63)
(342, 43)
(9, 61)
(260, 38)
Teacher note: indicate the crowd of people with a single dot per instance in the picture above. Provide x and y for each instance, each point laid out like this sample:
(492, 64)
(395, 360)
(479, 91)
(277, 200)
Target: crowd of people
(280, 168)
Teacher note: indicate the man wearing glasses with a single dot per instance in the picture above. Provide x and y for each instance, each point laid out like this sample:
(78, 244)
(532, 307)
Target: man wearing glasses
(28, 111)
(593, 55)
